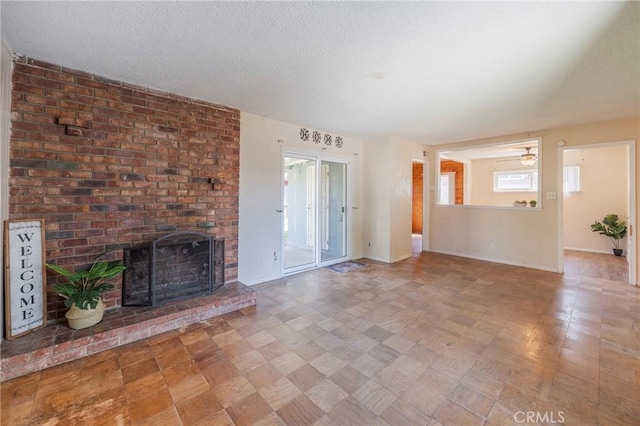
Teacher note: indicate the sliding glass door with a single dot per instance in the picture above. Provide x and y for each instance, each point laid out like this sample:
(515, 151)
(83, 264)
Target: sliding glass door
(333, 200)
(315, 215)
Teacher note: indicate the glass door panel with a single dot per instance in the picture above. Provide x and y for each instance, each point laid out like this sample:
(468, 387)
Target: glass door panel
(332, 212)
(299, 213)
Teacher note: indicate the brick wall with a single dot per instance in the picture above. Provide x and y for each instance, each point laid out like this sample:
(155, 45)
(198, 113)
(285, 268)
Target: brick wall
(416, 202)
(457, 168)
(110, 165)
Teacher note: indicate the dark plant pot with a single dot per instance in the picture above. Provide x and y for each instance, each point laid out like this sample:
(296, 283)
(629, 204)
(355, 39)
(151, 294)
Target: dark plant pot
(617, 252)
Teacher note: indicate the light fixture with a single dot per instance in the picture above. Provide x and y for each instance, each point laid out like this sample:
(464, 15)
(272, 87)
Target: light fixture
(528, 159)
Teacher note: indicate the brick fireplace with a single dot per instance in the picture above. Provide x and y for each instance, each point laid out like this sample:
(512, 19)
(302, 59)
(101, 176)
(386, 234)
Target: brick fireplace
(110, 166)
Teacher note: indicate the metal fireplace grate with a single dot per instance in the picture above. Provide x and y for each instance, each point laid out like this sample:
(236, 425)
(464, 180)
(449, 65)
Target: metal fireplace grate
(177, 266)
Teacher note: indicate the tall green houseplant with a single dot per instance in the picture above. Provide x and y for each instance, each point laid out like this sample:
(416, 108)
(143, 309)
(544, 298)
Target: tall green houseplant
(613, 229)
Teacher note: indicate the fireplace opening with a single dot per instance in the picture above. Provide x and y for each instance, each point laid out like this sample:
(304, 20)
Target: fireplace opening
(177, 266)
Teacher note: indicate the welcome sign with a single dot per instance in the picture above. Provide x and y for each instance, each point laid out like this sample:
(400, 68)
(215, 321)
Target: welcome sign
(25, 289)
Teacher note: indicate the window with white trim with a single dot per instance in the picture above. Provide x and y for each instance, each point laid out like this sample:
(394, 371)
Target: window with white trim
(515, 181)
(571, 179)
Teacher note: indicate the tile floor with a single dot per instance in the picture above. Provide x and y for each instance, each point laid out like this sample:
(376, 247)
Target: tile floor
(431, 340)
(597, 265)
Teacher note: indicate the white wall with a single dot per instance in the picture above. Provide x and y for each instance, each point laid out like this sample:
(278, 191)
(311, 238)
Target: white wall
(388, 178)
(603, 176)
(6, 66)
(527, 237)
(260, 226)
(482, 193)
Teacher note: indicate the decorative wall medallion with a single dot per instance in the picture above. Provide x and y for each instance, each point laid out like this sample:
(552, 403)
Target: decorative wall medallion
(316, 136)
(327, 139)
(304, 134)
(339, 141)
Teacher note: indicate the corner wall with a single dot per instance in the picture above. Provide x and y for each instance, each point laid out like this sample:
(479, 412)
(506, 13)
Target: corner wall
(388, 167)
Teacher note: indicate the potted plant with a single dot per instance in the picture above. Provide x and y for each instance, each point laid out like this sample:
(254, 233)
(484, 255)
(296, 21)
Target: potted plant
(612, 229)
(83, 289)
(533, 203)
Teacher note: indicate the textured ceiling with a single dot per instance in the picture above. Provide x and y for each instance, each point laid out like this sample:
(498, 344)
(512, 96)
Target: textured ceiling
(435, 71)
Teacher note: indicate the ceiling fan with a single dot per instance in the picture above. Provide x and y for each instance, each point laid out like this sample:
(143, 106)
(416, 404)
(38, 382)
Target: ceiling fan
(527, 159)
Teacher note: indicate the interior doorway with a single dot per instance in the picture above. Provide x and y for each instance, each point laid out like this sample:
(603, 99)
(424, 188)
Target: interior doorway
(597, 180)
(314, 227)
(417, 207)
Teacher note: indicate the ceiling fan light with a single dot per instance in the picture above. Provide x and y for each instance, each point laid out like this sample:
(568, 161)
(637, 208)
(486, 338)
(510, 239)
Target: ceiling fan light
(528, 160)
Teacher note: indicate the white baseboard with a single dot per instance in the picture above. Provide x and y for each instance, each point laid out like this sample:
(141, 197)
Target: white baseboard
(261, 280)
(494, 260)
(377, 259)
(590, 251)
(403, 257)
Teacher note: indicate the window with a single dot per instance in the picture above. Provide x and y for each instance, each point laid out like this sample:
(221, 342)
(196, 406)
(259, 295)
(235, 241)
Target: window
(515, 181)
(447, 188)
(490, 175)
(571, 179)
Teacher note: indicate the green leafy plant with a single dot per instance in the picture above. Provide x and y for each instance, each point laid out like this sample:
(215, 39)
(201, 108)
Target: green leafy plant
(84, 288)
(611, 228)
(533, 203)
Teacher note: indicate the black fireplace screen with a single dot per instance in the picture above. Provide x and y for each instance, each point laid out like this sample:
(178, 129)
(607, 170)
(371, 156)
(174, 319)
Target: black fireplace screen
(175, 267)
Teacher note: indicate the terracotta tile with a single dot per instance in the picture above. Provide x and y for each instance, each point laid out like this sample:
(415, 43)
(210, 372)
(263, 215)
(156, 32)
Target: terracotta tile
(300, 411)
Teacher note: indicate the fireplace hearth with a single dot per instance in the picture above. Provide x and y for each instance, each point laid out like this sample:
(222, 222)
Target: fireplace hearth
(177, 266)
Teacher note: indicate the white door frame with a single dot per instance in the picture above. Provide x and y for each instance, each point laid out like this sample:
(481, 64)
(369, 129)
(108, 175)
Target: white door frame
(631, 187)
(319, 157)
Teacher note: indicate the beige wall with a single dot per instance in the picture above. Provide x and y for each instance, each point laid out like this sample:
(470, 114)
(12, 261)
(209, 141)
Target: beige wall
(260, 226)
(482, 189)
(388, 166)
(528, 237)
(603, 175)
(376, 218)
